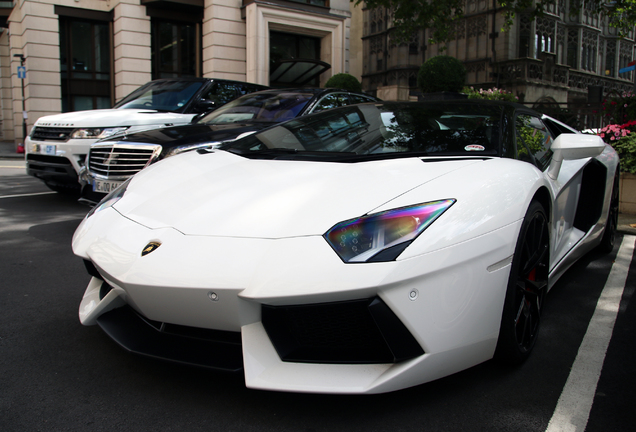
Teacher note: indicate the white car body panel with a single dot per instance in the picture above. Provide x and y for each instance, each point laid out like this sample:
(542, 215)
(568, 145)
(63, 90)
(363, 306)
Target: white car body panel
(233, 245)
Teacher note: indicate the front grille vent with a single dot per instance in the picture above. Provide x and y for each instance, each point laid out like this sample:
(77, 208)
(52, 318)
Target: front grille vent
(116, 161)
(51, 133)
(356, 332)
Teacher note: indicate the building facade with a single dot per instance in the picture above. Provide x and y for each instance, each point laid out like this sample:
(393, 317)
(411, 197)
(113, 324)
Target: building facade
(559, 57)
(87, 54)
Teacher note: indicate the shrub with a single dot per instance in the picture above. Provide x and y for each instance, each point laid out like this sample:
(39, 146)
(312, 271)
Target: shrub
(344, 81)
(624, 142)
(441, 73)
(490, 94)
(626, 149)
(619, 108)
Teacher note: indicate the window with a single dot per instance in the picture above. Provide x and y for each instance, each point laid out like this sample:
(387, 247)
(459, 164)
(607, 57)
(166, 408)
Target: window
(313, 2)
(174, 49)
(333, 100)
(533, 141)
(355, 99)
(610, 69)
(288, 46)
(84, 64)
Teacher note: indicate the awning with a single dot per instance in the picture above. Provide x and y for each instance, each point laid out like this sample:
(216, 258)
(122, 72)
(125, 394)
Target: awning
(296, 72)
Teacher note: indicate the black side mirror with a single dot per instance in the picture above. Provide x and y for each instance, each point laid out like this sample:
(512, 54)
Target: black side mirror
(205, 105)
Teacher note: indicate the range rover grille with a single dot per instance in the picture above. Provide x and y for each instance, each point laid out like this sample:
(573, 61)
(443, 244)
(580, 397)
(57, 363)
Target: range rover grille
(121, 161)
(51, 133)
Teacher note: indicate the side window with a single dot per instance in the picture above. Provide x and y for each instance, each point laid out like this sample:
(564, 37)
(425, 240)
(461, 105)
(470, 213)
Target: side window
(533, 141)
(355, 99)
(245, 89)
(557, 128)
(222, 93)
(333, 100)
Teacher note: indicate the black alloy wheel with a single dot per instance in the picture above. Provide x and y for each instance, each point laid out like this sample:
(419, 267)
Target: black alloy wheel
(611, 226)
(527, 286)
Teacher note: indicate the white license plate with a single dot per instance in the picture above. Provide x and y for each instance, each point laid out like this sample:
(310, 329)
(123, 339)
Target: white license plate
(105, 186)
(47, 149)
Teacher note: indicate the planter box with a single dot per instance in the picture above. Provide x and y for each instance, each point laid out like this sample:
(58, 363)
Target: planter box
(628, 193)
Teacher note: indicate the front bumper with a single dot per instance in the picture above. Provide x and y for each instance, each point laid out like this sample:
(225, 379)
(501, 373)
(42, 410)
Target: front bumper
(449, 300)
(55, 161)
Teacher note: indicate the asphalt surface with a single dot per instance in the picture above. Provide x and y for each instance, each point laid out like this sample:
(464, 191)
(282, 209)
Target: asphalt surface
(57, 375)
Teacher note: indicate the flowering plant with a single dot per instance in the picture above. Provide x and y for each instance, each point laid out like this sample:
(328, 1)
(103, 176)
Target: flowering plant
(490, 94)
(614, 132)
(618, 108)
(624, 142)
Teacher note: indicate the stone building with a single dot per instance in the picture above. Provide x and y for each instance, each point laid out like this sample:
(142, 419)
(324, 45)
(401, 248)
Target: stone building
(86, 54)
(559, 57)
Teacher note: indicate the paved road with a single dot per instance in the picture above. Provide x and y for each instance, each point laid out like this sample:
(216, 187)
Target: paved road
(56, 375)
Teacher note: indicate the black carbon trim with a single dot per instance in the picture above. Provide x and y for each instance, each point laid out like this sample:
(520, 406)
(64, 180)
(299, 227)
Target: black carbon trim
(212, 349)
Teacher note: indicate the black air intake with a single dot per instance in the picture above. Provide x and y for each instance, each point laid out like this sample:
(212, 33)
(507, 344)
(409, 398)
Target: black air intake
(351, 332)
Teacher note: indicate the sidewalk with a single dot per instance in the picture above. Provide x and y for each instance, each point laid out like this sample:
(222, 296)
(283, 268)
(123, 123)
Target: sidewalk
(627, 223)
(7, 151)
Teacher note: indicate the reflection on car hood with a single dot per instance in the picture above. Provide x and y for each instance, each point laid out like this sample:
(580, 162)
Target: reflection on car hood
(221, 194)
(192, 134)
(113, 118)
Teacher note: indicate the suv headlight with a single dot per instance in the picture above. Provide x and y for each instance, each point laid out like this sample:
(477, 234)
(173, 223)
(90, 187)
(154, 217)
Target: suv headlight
(96, 133)
(381, 237)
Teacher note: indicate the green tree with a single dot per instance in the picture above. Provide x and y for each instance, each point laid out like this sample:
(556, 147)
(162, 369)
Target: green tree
(439, 15)
(344, 81)
(441, 73)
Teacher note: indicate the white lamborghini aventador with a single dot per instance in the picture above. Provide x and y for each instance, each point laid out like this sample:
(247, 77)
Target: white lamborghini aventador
(363, 249)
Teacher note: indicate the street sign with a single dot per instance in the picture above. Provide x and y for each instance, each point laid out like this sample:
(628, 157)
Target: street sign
(630, 67)
(21, 72)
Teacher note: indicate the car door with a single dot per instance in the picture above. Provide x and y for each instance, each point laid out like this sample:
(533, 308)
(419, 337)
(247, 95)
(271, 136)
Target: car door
(534, 139)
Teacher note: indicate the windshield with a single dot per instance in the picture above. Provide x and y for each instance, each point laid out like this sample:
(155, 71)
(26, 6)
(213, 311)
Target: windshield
(161, 95)
(391, 129)
(263, 107)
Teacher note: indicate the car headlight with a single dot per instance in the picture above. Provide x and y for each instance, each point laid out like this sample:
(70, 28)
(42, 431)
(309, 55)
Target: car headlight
(189, 147)
(96, 133)
(381, 237)
(110, 199)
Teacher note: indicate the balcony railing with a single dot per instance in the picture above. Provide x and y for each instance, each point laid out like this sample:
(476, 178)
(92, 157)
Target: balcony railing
(548, 73)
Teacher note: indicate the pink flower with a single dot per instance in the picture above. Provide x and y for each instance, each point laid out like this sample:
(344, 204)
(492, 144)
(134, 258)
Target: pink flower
(612, 138)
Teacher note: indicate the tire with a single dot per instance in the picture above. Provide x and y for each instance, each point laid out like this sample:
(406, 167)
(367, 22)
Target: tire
(611, 226)
(527, 286)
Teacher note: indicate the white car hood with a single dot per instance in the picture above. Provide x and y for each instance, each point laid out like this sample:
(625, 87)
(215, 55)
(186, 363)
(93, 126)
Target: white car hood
(221, 194)
(113, 118)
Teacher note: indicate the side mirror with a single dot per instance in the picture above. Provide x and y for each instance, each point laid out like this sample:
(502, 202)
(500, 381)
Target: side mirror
(205, 105)
(573, 146)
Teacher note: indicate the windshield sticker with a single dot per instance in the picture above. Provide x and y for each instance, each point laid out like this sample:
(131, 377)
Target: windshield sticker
(474, 147)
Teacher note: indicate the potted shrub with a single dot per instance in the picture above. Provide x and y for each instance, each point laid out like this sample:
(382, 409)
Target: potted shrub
(344, 81)
(490, 94)
(624, 142)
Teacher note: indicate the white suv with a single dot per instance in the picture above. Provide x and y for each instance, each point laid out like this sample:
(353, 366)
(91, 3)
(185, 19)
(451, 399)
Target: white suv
(58, 144)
